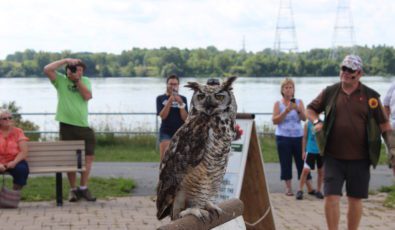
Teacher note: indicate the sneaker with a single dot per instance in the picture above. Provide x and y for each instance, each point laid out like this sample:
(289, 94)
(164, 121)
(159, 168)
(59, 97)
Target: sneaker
(312, 192)
(86, 194)
(319, 195)
(299, 195)
(73, 196)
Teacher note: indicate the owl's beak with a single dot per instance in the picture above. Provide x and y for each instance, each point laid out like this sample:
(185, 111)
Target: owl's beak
(209, 106)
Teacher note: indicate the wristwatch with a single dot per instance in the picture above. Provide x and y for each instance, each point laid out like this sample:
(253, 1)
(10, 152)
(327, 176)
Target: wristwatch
(182, 106)
(316, 121)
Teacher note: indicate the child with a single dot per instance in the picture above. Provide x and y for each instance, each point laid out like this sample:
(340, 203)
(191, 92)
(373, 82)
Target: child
(310, 155)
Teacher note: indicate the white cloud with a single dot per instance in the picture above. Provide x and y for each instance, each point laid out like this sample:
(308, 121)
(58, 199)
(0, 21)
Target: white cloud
(113, 26)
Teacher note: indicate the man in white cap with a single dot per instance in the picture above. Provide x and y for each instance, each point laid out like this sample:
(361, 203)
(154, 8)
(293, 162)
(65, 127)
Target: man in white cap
(349, 139)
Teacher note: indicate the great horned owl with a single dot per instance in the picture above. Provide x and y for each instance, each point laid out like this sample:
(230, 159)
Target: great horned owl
(195, 162)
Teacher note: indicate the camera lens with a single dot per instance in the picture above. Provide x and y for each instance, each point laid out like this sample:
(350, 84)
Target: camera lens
(73, 68)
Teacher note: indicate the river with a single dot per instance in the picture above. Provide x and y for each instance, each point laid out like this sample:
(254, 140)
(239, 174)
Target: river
(253, 95)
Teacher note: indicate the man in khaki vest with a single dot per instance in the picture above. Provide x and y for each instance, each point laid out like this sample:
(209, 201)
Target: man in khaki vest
(349, 138)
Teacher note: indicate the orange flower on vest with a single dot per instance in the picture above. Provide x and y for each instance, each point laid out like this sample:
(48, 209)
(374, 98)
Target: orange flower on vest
(373, 103)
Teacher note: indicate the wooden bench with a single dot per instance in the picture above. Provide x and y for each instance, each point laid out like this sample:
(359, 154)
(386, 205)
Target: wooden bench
(56, 157)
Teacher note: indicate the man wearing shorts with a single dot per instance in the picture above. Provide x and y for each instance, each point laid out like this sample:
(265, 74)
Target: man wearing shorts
(74, 92)
(349, 138)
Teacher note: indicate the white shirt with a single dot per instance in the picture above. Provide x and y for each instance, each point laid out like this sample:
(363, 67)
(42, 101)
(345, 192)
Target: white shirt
(389, 100)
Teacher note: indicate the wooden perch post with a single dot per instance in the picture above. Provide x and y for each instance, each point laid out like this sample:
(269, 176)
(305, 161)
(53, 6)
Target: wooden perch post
(231, 209)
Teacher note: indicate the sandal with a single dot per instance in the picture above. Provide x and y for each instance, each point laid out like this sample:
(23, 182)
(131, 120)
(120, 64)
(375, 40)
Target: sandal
(289, 193)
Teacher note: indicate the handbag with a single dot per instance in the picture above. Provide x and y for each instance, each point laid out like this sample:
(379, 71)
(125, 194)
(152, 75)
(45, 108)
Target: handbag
(9, 198)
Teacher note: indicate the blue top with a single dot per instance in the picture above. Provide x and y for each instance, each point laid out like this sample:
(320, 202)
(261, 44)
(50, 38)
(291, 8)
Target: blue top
(173, 121)
(290, 126)
(311, 145)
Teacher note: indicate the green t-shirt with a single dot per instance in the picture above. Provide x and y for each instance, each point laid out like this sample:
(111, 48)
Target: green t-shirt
(72, 108)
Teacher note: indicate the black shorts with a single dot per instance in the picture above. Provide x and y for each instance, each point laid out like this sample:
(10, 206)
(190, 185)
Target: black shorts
(71, 132)
(312, 159)
(356, 174)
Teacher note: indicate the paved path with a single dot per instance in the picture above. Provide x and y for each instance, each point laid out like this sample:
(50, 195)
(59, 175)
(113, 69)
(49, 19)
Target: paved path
(146, 176)
(138, 213)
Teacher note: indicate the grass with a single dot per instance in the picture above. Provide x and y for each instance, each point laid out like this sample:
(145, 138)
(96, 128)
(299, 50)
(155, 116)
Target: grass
(142, 148)
(390, 200)
(43, 188)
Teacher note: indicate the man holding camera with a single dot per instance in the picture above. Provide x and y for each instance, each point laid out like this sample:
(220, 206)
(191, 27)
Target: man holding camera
(74, 92)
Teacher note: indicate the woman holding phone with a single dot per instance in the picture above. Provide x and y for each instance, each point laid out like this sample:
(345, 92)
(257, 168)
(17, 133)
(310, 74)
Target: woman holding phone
(173, 110)
(288, 112)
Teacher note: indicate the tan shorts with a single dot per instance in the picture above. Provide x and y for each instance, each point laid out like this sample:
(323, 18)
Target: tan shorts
(71, 132)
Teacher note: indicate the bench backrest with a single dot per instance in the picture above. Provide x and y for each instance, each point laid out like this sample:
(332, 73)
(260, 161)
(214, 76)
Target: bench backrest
(56, 156)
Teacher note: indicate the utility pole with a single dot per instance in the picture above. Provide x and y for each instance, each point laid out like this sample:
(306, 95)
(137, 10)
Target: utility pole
(285, 38)
(343, 32)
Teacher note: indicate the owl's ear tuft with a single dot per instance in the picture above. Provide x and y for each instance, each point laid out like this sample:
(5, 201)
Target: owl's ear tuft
(227, 85)
(193, 85)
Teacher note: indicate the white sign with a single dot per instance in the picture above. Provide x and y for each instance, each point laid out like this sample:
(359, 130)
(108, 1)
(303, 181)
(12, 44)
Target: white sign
(233, 179)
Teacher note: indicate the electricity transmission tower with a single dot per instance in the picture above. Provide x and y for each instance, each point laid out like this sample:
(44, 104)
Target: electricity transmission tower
(343, 33)
(285, 39)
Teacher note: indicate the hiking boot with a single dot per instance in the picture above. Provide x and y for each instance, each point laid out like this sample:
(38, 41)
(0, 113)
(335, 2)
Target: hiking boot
(73, 196)
(319, 195)
(86, 194)
(299, 195)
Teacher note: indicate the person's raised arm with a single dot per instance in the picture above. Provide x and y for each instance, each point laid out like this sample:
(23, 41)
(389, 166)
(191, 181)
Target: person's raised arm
(50, 69)
(83, 89)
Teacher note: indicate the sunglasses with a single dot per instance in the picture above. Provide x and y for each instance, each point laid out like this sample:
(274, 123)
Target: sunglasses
(6, 118)
(348, 70)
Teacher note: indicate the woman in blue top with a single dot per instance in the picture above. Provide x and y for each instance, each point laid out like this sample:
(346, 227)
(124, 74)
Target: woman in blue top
(173, 110)
(287, 115)
(311, 156)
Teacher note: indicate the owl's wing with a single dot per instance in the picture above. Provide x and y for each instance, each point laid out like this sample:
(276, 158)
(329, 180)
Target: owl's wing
(184, 153)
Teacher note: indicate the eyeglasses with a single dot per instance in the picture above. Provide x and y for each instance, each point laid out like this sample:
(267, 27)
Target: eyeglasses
(348, 70)
(212, 81)
(6, 118)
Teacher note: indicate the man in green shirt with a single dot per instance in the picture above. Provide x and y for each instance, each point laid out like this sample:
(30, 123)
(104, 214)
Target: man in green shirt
(74, 92)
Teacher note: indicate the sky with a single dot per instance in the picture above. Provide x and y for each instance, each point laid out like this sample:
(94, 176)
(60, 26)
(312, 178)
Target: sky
(115, 25)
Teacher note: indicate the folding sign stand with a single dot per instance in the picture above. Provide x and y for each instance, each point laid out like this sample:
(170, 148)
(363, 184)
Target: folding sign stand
(245, 179)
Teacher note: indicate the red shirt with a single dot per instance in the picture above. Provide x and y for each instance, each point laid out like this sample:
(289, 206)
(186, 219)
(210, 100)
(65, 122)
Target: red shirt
(9, 146)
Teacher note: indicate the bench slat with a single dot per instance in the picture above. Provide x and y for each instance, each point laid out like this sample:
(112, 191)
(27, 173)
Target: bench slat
(52, 153)
(56, 143)
(52, 158)
(55, 148)
(53, 170)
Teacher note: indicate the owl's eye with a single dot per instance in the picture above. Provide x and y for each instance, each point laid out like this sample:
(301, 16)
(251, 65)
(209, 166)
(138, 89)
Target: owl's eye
(201, 97)
(219, 97)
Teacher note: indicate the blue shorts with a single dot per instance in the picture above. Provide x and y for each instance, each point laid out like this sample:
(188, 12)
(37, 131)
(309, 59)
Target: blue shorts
(164, 137)
(20, 173)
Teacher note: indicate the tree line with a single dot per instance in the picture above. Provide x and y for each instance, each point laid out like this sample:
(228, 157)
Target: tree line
(203, 62)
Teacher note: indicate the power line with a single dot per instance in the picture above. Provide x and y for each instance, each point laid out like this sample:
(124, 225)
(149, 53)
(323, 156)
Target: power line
(343, 32)
(285, 38)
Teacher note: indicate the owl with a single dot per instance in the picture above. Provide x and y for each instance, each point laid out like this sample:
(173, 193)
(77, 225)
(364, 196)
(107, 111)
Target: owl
(195, 161)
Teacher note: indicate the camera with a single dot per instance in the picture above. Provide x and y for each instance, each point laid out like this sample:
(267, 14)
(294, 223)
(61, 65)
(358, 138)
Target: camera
(292, 100)
(72, 68)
